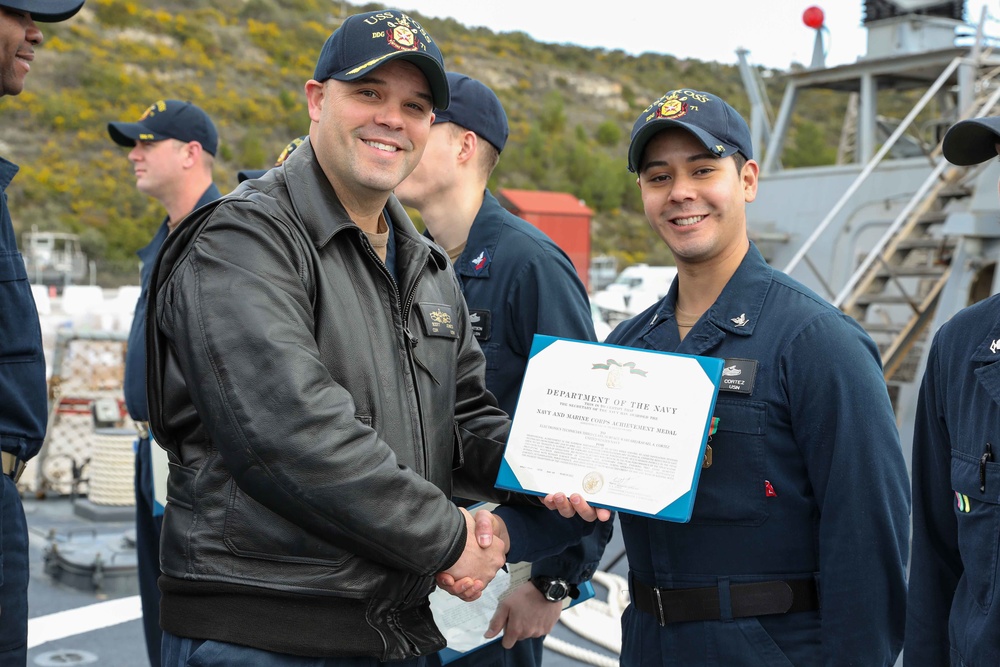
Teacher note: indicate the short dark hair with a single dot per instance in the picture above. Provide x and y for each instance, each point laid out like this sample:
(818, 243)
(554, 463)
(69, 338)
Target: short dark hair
(741, 161)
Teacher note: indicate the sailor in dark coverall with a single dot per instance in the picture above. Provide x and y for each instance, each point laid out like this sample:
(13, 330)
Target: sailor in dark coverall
(952, 618)
(796, 550)
(23, 399)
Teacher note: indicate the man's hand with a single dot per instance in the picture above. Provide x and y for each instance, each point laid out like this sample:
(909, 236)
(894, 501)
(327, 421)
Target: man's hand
(485, 553)
(489, 525)
(575, 504)
(522, 614)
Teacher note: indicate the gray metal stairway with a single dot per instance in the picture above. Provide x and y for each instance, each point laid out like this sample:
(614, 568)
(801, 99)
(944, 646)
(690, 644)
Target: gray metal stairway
(896, 296)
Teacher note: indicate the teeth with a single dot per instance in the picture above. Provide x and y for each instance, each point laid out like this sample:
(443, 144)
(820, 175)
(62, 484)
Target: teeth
(684, 222)
(383, 147)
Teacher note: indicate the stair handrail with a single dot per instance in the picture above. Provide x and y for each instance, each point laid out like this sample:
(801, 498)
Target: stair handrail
(918, 197)
(872, 163)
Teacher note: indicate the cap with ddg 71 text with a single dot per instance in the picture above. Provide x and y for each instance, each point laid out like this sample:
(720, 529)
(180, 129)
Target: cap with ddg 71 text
(475, 107)
(972, 141)
(716, 124)
(168, 119)
(46, 11)
(366, 41)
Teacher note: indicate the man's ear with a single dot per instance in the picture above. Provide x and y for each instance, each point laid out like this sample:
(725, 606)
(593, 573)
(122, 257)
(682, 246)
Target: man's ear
(192, 153)
(749, 179)
(315, 92)
(468, 145)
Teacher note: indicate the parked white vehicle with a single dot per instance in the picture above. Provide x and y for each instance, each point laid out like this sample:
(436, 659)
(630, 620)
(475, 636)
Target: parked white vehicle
(636, 288)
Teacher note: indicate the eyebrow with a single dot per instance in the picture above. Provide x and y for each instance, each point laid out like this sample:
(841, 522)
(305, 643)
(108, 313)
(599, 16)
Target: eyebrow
(691, 158)
(372, 80)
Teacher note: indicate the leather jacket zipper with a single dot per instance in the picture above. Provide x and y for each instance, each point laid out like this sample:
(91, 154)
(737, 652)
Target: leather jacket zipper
(404, 311)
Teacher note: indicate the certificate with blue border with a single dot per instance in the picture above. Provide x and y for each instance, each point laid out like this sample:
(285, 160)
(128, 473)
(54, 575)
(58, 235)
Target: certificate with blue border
(625, 428)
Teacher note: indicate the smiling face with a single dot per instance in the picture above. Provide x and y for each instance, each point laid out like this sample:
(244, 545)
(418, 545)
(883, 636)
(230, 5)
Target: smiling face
(18, 38)
(694, 200)
(370, 133)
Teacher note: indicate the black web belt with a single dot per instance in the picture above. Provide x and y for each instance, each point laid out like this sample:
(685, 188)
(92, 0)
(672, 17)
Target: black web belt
(760, 598)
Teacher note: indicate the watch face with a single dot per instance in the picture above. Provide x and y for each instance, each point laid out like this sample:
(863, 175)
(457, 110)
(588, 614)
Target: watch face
(557, 591)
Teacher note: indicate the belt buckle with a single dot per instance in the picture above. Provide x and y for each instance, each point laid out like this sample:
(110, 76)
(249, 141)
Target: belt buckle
(661, 617)
(15, 464)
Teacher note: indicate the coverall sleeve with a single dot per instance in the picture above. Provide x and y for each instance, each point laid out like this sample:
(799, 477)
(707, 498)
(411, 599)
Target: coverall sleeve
(237, 313)
(844, 426)
(936, 565)
(537, 532)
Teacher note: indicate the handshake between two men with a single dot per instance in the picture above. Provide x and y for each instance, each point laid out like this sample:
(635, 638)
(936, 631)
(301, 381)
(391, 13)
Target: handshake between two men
(488, 542)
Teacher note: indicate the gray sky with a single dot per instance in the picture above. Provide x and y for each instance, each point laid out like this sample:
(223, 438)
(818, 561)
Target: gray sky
(708, 30)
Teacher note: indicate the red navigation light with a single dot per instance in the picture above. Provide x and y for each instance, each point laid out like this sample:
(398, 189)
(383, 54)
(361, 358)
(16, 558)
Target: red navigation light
(813, 17)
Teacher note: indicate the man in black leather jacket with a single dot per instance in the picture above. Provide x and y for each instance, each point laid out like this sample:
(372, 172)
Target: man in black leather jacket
(314, 378)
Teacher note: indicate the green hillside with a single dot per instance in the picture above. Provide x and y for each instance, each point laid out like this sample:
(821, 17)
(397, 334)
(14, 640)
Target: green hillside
(245, 62)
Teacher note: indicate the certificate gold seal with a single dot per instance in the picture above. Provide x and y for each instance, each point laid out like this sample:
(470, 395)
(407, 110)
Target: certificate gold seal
(593, 482)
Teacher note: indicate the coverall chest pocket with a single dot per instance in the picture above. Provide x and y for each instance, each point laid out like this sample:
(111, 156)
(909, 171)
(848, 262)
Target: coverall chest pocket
(731, 490)
(977, 513)
(19, 341)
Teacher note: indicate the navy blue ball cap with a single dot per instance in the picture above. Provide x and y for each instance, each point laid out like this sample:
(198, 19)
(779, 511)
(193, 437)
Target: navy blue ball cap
(475, 107)
(46, 11)
(716, 124)
(168, 119)
(972, 141)
(364, 42)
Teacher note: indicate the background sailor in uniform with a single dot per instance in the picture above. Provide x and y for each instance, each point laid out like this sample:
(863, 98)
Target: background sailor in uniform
(173, 148)
(953, 615)
(23, 392)
(517, 282)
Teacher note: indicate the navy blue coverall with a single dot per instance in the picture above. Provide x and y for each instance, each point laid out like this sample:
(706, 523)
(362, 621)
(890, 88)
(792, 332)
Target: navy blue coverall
(517, 282)
(951, 616)
(807, 482)
(23, 415)
(147, 526)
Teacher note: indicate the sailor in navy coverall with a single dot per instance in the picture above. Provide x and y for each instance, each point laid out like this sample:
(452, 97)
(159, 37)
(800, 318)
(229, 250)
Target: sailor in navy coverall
(162, 136)
(23, 393)
(953, 614)
(796, 550)
(516, 282)
(22, 427)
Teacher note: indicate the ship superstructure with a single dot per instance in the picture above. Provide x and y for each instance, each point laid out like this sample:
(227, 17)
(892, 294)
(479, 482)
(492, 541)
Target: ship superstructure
(892, 234)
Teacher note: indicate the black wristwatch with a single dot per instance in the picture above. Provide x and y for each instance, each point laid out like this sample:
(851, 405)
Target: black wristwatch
(555, 589)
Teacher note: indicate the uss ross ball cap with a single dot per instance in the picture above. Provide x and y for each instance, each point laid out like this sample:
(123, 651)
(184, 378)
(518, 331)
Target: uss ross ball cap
(716, 124)
(364, 42)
